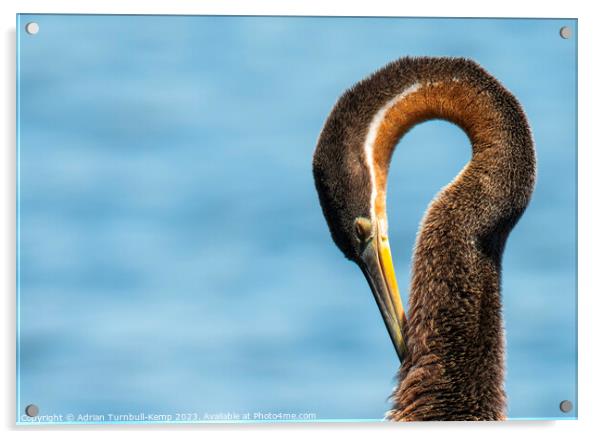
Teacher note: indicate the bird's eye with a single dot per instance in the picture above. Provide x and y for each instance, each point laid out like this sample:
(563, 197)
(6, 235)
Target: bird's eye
(363, 229)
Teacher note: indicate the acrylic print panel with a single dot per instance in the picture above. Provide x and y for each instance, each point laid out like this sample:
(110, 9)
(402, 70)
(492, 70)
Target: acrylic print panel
(179, 247)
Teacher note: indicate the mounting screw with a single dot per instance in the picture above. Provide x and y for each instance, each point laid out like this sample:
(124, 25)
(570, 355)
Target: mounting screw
(565, 32)
(566, 406)
(32, 410)
(32, 28)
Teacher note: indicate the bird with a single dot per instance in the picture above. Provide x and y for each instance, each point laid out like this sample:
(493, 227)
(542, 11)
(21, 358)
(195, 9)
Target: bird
(450, 342)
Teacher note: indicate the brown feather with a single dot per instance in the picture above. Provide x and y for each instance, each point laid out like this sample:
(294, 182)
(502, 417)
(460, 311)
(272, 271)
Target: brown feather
(455, 365)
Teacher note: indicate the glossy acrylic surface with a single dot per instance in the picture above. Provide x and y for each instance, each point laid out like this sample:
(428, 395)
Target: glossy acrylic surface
(173, 260)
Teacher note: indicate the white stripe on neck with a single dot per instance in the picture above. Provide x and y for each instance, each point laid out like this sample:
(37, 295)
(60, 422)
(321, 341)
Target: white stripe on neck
(375, 123)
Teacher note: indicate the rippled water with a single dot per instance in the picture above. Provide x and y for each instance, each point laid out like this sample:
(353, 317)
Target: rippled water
(173, 256)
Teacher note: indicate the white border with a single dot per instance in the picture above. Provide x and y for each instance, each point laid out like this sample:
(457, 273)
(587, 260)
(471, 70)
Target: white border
(590, 177)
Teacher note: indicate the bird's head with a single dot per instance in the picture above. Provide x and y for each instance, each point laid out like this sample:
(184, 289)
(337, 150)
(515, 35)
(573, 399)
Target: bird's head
(347, 195)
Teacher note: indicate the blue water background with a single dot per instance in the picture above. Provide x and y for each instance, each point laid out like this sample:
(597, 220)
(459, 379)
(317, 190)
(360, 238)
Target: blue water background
(173, 257)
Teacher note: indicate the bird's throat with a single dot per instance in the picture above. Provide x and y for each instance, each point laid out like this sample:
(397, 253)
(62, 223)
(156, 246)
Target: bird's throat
(454, 329)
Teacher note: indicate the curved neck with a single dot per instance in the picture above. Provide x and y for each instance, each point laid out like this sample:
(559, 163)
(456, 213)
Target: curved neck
(455, 365)
(502, 149)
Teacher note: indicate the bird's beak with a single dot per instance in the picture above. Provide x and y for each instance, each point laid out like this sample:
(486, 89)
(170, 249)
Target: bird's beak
(377, 265)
